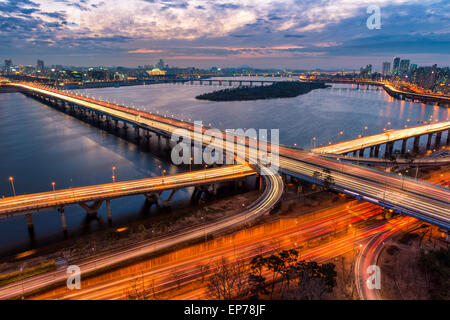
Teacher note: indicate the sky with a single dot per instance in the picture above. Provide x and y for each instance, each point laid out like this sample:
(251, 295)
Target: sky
(294, 34)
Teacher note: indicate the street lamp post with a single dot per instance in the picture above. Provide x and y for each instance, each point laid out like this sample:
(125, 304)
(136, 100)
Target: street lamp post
(53, 185)
(114, 174)
(340, 134)
(363, 130)
(313, 139)
(12, 185)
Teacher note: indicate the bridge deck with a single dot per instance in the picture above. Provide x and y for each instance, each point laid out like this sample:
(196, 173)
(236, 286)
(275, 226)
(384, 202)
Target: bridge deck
(381, 138)
(40, 201)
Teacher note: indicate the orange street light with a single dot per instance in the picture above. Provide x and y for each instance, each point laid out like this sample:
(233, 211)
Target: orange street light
(114, 174)
(53, 185)
(12, 185)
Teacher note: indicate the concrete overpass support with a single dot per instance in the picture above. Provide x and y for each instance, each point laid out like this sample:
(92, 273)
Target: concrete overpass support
(437, 143)
(108, 210)
(152, 199)
(136, 133)
(372, 149)
(430, 135)
(63, 219)
(30, 224)
(403, 151)
(448, 137)
(361, 152)
(416, 143)
(389, 148)
(92, 209)
(377, 151)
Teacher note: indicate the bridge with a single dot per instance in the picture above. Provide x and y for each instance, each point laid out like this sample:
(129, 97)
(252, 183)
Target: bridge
(389, 162)
(389, 138)
(97, 194)
(416, 198)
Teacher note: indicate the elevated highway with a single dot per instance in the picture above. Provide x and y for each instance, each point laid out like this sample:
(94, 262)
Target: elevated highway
(373, 142)
(425, 201)
(150, 187)
(263, 205)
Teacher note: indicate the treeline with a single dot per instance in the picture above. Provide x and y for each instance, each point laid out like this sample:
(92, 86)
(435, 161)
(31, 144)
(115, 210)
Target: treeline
(278, 276)
(282, 89)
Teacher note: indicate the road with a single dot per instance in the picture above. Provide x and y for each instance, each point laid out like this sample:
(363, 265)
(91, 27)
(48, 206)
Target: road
(53, 199)
(294, 232)
(372, 249)
(382, 138)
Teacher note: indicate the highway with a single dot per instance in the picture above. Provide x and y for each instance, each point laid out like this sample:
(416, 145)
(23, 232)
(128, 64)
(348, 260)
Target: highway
(303, 231)
(53, 199)
(369, 256)
(263, 205)
(381, 138)
(417, 198)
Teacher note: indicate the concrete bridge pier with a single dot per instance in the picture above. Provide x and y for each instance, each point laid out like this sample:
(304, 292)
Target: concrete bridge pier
(136, 133)
(108, 211)
(416, 143)
(116, 124)
(355, 153)
(125, 126)
(92, 209)
(403, 151)
(377, 151)
(361, 152)
(389, 148)
(448, 137)
(152, 199)
(437, 143)
(371, 151)
(63, 219)
(430, 135)
(166, 203)
(240, 83)
(30, 224)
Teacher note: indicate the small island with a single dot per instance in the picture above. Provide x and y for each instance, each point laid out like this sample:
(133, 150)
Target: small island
(281, 89)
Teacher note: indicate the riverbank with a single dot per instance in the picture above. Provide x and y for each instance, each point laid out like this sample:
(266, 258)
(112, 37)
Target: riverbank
(282, 89)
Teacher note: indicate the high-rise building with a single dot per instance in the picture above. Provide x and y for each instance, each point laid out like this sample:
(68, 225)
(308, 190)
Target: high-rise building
(40, 66)
(412, 67)
(8, 66)
(386, 68)
(396, 66)
(160, 65)
(404, 67)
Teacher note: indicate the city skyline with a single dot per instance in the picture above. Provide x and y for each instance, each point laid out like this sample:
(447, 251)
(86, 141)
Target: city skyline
(291, 34)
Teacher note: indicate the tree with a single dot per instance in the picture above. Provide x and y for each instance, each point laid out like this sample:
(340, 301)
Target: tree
(228, 281)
